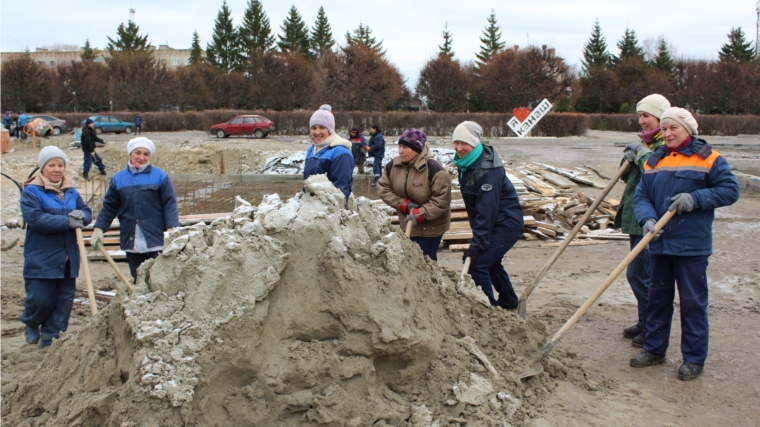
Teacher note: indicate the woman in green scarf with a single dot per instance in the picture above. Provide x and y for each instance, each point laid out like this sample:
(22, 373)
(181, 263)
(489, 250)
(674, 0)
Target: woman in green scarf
(493, 209)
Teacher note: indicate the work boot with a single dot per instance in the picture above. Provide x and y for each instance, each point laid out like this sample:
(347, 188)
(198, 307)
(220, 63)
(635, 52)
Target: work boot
(45, 343)
(102, 171)
(86, 176)
(32, 335)
(632, 331)
(505, 306)
(373, 184)
(638, 340)
(688, 371)
(645, 358)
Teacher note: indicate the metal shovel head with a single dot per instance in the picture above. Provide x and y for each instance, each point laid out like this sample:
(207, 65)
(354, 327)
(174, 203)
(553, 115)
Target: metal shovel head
(522, 308)
(534, 367)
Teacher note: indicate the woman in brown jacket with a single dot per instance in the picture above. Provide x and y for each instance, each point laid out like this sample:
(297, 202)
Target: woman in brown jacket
(418, 186)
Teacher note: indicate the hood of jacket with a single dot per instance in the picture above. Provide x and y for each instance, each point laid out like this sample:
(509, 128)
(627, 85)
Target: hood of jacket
(40, 181)
(335, 140)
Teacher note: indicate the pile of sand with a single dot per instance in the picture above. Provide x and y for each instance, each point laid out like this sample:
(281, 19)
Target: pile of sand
(291, 313)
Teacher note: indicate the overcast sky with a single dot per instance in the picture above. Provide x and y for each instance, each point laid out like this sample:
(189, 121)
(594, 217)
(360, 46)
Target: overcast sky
(410, 30)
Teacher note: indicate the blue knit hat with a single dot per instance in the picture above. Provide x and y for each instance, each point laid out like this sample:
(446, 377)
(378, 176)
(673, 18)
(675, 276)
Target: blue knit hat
(414, 139)
(88, 122)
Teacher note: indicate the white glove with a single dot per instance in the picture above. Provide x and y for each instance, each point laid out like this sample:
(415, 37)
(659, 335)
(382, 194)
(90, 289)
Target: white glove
(97, 237)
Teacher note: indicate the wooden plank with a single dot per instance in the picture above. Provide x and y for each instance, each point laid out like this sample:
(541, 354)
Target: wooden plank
(9, 245)
(539, 187)
(546, 231)
(604, 236)
(603, 173)
(557, 180)
(456, 236)
(459, 248)
(537, 233)
(454, 216)
(613, 202)
(574, 243)
(552, 227)
(529, 220)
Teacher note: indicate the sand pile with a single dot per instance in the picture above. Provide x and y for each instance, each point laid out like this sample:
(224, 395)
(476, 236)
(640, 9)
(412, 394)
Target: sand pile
(292, 313)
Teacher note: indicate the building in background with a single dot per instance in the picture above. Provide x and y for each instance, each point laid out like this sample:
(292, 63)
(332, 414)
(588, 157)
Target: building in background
(164, 55)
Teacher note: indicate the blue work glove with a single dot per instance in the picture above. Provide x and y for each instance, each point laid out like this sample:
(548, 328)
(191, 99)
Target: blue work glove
(649, 228)
(682, 202)
(631, 150)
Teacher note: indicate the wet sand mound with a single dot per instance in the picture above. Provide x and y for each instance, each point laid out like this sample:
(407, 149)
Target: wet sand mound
(291, 313)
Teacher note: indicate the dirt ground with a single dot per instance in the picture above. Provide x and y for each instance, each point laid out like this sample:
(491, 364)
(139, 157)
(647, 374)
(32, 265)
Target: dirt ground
(726, 393)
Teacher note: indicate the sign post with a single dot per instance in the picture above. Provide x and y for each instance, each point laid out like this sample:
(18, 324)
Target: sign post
(523, 120)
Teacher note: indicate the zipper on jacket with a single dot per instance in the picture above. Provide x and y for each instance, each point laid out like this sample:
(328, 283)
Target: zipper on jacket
(406, 182)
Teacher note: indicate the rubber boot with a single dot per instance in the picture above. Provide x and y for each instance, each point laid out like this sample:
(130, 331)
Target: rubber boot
(32, 335)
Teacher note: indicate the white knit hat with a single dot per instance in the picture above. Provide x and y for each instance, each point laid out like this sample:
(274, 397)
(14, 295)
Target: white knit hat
(51, 152)
(654, 104)
(683, 117)
(141, 142)
(469, 133)
(323, 117)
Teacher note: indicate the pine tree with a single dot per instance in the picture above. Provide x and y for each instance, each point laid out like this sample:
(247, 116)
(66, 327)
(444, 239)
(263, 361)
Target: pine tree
(363, 37)
(224, 50)
(88, 53)
(255, 33)
(447, 42)
(595, 52)
(663, 61)
(738, 48)
(490, 42)
(295, 34)
(196, 53)
(128, 41)
(629, 47)
(321, 35)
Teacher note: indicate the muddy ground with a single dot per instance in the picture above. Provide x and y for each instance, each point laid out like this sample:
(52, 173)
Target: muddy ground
(726, 393)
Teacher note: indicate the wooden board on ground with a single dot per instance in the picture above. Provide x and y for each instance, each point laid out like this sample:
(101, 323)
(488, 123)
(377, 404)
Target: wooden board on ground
(557, 180)
(116, 255)
(459, 248)
(575, 243)
(456, 236)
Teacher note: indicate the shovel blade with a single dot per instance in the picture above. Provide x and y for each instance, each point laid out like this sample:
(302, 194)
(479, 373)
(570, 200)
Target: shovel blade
(532, 369)
(522, 308)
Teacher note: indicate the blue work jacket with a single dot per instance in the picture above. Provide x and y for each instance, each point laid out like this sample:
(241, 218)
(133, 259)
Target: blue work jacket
(336, 161)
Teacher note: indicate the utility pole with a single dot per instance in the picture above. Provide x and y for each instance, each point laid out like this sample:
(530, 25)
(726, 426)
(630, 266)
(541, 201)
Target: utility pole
(131, 14)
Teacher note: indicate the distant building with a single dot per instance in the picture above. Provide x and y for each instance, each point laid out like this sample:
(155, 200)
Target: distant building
(164, 55)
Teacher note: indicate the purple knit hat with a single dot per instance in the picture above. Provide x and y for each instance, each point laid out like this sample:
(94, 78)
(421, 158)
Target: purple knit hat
(414, 139)
(323, 117)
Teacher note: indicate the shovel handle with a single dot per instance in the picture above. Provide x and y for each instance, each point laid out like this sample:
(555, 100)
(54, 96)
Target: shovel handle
(466, 267)
(115, 267)
(526, 293)
(409, 229)
(86, 271)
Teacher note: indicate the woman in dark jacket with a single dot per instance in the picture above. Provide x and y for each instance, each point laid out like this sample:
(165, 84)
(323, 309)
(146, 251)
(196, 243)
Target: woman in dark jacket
(52, 209)
(143, 198)
(376, 150)
(358, 144)
(493, 209)
(687, 176)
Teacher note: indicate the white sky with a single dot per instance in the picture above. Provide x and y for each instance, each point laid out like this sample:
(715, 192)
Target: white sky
(411, 30)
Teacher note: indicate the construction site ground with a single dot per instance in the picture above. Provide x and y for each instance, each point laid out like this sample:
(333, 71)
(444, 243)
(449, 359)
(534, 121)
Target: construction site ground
(616, 394)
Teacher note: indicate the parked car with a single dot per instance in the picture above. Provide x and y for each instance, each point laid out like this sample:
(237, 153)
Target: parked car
(59, 126)
(110, 124)
(257, 126)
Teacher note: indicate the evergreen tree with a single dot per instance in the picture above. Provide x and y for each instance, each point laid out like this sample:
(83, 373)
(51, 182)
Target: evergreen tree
(738, 48)
(255, 33)
(629, 47)
(321, 35)
(490, 42)
(447, 42)
(224, 50)
(196, 53)
(363, 37)
(295, 34)
(595, 52)
(663, 61)
(88, 53)
(128, 41)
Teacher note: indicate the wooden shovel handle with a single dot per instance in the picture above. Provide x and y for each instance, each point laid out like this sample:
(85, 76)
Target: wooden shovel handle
(409, 229)
(86, 271)
(115, 267)
(466, 267)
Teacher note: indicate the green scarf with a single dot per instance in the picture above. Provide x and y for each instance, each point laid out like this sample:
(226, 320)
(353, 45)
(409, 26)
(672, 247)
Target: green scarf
(467, 160)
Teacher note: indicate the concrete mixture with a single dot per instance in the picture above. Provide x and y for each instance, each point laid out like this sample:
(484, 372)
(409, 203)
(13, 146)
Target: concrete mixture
(292, 313)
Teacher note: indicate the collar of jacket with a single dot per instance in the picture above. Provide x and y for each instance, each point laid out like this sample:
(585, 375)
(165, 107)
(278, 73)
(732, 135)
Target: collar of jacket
(419, 162)
(488, 160)
(336, 140)
(136, 171)
(695, 146)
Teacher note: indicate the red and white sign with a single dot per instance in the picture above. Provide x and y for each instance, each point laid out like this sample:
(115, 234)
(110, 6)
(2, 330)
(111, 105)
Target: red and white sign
(523, 119)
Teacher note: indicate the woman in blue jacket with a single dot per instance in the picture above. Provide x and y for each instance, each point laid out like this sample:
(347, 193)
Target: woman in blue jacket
(493, 209)
(52, 209)
(329, 154)
(688, 176)
(142, 197)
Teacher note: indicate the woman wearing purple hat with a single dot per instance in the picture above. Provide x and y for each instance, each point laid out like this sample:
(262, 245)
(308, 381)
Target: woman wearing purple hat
(330, 154)
(418, 186)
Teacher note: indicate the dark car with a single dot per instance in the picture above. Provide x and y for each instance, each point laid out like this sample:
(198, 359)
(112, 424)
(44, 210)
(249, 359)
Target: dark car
(59, 126)
(257, 126)
(110, 124)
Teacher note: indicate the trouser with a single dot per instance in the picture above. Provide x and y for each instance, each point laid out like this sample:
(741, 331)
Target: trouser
(487, 270)
(48, 304)
(429, 245)
(639, 279)
(689, 274)
(134, 260)
(360, 168)
(138, 129)
(377, 168)
(88, 161)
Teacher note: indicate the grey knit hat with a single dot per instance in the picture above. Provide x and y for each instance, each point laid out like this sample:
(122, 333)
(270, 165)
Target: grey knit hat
(51, 152)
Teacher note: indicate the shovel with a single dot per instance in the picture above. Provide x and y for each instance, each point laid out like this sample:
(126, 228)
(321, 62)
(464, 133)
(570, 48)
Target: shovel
(534, 367)
(522, 304)
(86, 270)
(409, 229)
(116, 268)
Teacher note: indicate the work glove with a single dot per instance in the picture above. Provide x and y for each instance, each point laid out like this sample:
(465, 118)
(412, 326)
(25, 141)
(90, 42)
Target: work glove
(631, 150)
(682, 202)
(649, 228)
(366, 148)
(415, 216)
(97, 237)
(473, 254)
(406, 205)
(76, 219)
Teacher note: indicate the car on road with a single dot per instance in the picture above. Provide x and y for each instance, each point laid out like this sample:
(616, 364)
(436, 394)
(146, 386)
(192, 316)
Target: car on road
(59, 125)
(110, 124)
(255, 125)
